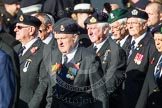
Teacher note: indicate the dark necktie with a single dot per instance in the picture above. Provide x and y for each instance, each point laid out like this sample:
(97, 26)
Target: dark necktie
(118, 42)
(21, 51)
(131, 49)
(158, 69)
(95, 48)
(65, 59)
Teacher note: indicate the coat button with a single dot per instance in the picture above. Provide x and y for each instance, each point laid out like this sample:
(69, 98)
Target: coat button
(153, 103)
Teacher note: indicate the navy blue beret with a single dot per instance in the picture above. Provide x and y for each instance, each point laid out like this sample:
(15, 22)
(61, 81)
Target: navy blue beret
(66, 26)
(29, 20)
(133, 12)
(96, 17)
(10, 1)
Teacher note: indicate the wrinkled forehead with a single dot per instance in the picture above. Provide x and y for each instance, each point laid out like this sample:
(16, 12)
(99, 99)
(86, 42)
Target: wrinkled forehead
(92, 25)
(132, 19)
(21, 24)
(157, 36)
(63, 35)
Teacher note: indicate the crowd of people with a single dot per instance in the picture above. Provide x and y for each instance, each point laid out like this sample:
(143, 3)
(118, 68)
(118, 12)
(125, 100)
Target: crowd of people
(70, 54)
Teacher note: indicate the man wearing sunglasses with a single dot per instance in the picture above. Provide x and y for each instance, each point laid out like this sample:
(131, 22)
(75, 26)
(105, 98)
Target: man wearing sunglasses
(46, 29)
(31, 67)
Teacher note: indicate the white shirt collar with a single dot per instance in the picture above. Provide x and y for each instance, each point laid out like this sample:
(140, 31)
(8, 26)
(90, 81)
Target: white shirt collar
(29, 44)
(123, 40)
(70, 55)
(48, 39)
(100, 44)
(137, 40)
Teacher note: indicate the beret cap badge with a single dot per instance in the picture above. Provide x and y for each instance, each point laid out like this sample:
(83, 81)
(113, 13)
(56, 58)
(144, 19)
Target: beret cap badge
(91, 8)
(134, 12)
(93, 20)
(8, 19)
(21, 18)
(111, 15)
(62, 28)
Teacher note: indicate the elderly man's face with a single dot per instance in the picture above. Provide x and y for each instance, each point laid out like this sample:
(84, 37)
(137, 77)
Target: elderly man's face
(118, 30)
(158, 41)
(96, 33)
(44, 29)
(66, 42)
(22, 32)
(135, 28)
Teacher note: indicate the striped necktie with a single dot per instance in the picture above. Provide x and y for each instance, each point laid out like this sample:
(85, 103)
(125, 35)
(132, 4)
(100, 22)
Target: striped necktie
(21, 51)
(131, 48)
(158, 69)
(65, 59)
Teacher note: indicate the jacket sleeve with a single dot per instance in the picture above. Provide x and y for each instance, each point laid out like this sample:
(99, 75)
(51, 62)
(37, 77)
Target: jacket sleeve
(98, 85)
(115, 74)
(41, 88)
(7, 82)
(141, 103)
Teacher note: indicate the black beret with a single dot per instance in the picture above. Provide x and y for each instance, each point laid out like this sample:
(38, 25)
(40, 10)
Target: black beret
(157, 29)
(133, 12)
(97, 17)
(66, 26)
(10, 1)
(29, 20)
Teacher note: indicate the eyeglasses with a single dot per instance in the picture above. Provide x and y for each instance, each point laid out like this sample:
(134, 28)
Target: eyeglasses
(42, 30)
(21, 27)
(133, 23)
(117, 28)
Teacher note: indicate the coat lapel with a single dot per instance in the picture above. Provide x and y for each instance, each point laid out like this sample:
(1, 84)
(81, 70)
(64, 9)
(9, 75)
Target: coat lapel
(101, 52)
(28, 52)
(126, 45)
(140, 45)
(78, 56)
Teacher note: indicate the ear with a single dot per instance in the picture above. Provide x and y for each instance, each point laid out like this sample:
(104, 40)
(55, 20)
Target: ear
(105, 29)
(49, 28)
(32, 30)
(75, 37)
(160, 16)
(145, 25)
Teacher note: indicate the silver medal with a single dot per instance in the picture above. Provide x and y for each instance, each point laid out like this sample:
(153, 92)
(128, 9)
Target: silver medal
(25, 69)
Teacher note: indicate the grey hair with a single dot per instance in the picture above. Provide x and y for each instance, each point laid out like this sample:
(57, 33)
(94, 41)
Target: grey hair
(104, 24)
(122, 21)
(141, 21)
(47, 19)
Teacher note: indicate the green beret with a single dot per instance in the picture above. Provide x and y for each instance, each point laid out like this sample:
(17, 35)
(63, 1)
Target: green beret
(117, 14)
